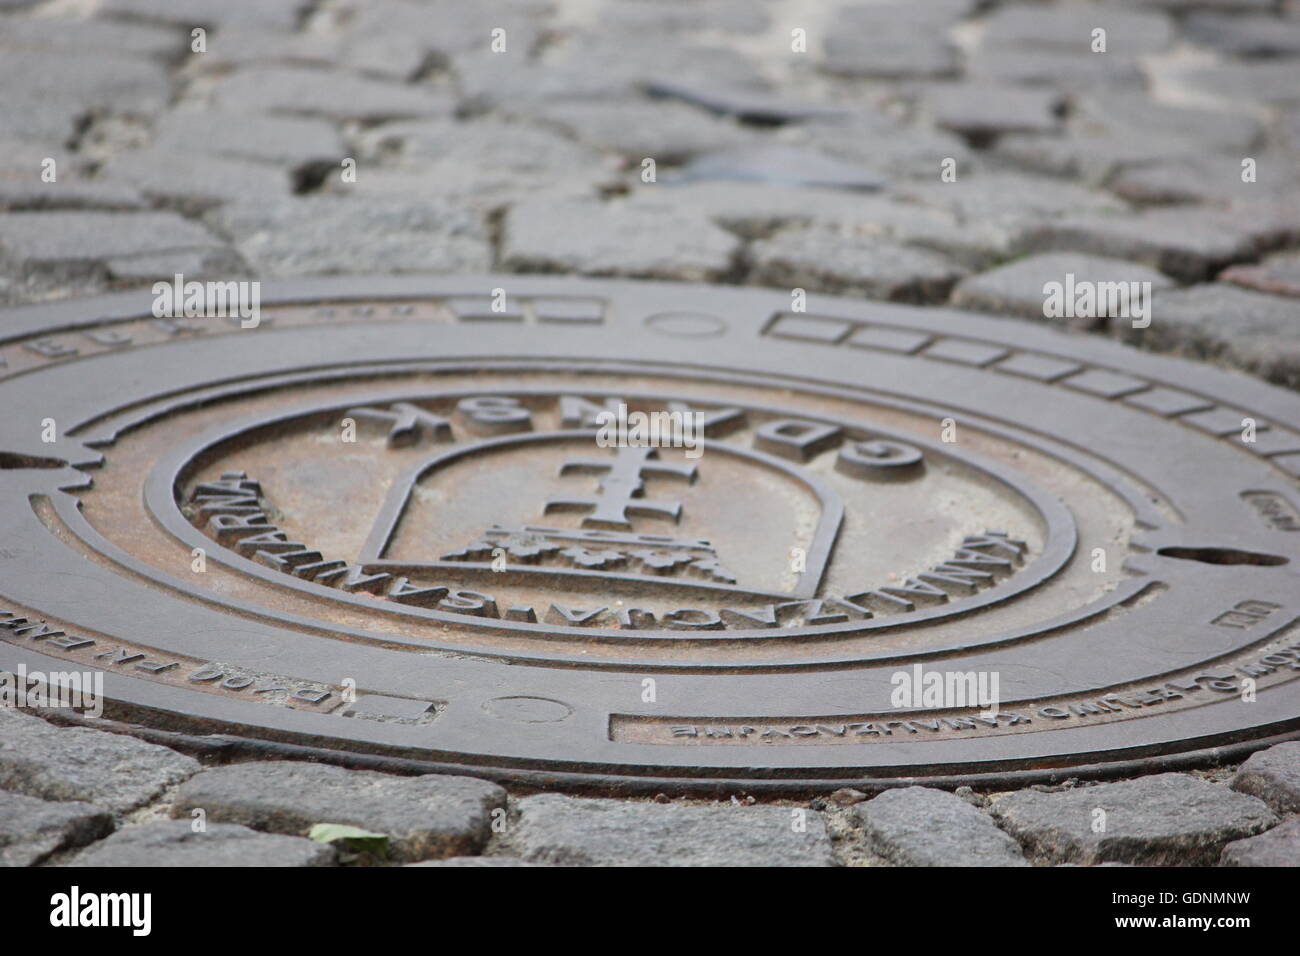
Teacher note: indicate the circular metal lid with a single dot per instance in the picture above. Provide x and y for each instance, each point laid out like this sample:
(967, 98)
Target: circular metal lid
(625, 534)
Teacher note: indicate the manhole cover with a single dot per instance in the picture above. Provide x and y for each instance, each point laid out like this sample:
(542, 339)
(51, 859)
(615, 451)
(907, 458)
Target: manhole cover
(393, 521)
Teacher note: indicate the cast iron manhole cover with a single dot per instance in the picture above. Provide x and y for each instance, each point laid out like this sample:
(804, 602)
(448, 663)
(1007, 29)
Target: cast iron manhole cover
(381, 524)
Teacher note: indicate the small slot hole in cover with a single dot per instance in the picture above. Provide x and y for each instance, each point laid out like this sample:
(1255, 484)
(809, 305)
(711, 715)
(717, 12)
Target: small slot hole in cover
(1223, 556)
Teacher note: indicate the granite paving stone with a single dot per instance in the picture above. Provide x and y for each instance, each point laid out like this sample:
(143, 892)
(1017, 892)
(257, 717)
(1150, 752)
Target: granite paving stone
(483, 164)
(40, 115)
(321, 235)
(32, 829)
(304, 91)
(1188, 245)
(1140, 117)
(401, 39)
(65, 36)
(736, 17)
(1273, 775)
(919, 826)
(1266, 81)
(112, 771)
(1205, 179)
(826, 260)
(980, 110)
(884, 146)
(202, 264)
(173, 843)
(1168, 818)
(651, 239)
(876, 55)
(483, 861)
(1017, 287)
(1226, 323)
(42, 240)
(1075, 72)
(1182, 6)
(1279, 846)
(757, 211)
(894, 40)
(1092, 154)
(1012, 198)
(195, 181)
(426, 816)
(1278, 274)
(1069, 28)
(574, 831)
(760, 108)
(288, 141)
(240, 45)
(667, 132)
(284, 14)
(85, 82)
(29, 194)
(1244, 35)
(599, 65)
(780, 165)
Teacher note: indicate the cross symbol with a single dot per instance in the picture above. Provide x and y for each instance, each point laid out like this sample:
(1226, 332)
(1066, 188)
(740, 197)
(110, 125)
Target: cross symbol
(621, 487)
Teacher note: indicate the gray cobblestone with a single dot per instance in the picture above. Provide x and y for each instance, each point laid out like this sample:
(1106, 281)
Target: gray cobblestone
(1013, 198)
(1273, 775)
(573, 831)
(478, 861)
(1093, 155)
(111, 771)
(884, 146)
(1069, 29)
(1157, 820)
(194, 182)
(82, 83)
(32, 829)
(1278, 274)
(30, 194)
(53, 240)
(1279, 846)
(92, 36)
(826, 260)
(1186, 244)
(779, 165)
(1205, 179)
(1266, 82)
(327, 234)
(894, 40)
(651, 239)
(1138, 117)
(216, 264)
(594, 67)
(288, 141)
(1222, 322)
(424, 816)
(1017, 288)
(1244, 36)
(486, 164)
(173, 843)
(250, 45)
(917, 826)
(981, 110)
(305, 91)
(1072, 71)
(635, 129)
(272, 13)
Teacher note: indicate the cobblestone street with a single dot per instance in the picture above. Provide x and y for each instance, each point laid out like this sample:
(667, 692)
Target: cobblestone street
(947, 154)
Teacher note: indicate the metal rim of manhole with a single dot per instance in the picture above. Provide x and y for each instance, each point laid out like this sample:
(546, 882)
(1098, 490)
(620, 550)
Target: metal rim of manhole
(634, 535)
